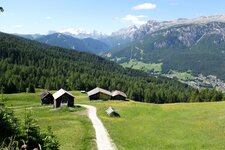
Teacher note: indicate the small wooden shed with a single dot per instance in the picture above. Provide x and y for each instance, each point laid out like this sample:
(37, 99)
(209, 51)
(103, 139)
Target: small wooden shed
(63, 97)
(46, 98)
(118, 95)
(112, 112)
(99, 93)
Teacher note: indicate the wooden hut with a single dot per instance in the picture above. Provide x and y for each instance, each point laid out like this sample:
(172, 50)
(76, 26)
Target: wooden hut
(118, 95)
(46, 98)
(62, 97)
(112, 112)
(99, 94)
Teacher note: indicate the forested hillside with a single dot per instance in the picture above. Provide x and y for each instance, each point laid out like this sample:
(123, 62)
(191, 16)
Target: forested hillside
(26, 63)
(195, 47)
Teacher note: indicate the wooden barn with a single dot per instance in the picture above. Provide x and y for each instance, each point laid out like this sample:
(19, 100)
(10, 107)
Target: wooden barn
(62, 97)
(99, 94)
(118, 95)
(46, 98)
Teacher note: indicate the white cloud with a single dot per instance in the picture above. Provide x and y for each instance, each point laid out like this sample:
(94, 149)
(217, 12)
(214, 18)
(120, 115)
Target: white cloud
(75, 31)
(144, 6)
(135, 19)
(18, 26)
(48, 18)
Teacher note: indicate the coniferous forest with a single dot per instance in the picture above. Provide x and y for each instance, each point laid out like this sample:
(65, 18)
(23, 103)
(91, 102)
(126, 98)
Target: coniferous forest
(27, 64)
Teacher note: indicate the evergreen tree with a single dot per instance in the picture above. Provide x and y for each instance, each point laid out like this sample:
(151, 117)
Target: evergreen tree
(31, 88)
(50, 141)
(31, 132)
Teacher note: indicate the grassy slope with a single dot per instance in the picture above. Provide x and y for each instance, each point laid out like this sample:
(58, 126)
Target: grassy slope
(187, 126)
(141, 126)
(72, 130)
(143, 66)
(181, 75)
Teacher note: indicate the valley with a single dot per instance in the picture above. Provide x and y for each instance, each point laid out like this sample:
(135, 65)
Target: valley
(112, 75)
(157, 47)
(37, 65)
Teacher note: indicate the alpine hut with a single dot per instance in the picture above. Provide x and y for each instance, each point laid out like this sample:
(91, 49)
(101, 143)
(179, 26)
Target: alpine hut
(99, 93)
(118, 95)
(63, 97)
(46, 98)
(112, 112)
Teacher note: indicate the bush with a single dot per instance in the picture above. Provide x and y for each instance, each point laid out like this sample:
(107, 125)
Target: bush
(13, 136)
(8, 123)
(50, 141)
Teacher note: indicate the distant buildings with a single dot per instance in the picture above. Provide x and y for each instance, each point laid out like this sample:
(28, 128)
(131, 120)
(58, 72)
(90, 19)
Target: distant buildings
(99, 93)
(63, 97)
(118, 95)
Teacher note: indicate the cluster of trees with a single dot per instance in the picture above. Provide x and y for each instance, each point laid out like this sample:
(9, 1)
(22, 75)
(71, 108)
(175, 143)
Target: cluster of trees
(25, 63)
(14, 135)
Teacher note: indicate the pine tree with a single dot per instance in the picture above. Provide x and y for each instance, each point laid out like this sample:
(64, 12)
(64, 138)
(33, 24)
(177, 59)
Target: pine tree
(31, 132)
(50, 141)
(31, 88)
(8, 123)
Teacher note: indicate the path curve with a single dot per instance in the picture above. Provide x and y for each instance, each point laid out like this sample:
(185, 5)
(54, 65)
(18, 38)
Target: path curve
(103, 140)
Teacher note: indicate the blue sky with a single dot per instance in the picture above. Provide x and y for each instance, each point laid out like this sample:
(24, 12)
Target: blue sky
(41, 16)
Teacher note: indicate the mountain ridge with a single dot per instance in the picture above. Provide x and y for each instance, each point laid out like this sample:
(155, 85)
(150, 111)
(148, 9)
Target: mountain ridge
(66, 41)
(197, 46)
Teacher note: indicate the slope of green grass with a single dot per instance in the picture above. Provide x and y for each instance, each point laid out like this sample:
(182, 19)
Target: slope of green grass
(73, 131)
(184, 126)
(22, 100)
(174, 126)
(181, 75)
(155, 67)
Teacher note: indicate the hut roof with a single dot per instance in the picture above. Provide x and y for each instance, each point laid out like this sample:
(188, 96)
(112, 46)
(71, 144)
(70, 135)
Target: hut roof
(97, 90)
(115, 93)
(60, 93)
(44, 94)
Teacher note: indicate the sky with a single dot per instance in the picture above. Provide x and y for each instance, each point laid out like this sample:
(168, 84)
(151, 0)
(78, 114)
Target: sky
(106, 16)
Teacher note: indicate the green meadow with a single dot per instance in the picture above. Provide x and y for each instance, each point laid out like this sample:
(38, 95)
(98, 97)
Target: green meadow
(182, 75)
(184, 126)
(191, 126)
(155, 67)
(74, 131)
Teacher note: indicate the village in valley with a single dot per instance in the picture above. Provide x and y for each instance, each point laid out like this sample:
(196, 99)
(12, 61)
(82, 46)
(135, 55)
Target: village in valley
(201, 81)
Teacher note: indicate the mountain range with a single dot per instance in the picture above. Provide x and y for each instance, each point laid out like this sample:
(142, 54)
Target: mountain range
(93, 42)
(66, 41)
(194, 45)
(184, 45)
